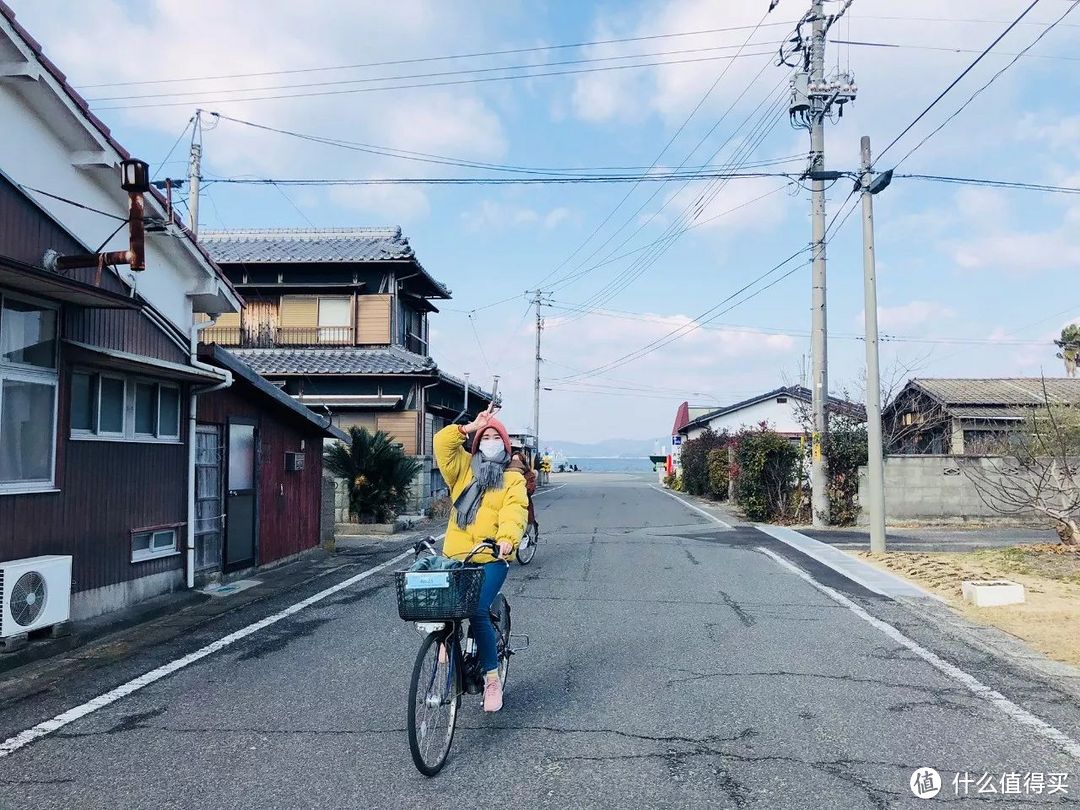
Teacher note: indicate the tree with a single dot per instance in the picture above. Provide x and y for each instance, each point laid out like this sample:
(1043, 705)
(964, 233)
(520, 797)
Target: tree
(1070, 348)
(1037, 470)
(846, 449)
(378, 473)
(766, 473)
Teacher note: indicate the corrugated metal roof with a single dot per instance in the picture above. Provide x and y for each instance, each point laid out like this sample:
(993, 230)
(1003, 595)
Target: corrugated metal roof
(335, 361)
(1002, 391)
(308, 245)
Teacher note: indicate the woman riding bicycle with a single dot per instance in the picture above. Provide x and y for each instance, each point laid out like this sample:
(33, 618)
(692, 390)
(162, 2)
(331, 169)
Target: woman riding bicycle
(490, 503)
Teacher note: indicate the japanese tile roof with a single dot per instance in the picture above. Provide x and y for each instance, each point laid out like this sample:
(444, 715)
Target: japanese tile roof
(1000, 412)
(999, 392)
(336, 361)
(309, 245)
(836, 404)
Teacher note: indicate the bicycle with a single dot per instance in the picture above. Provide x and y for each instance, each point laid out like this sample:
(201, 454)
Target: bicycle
(526, 549)
(438, 602)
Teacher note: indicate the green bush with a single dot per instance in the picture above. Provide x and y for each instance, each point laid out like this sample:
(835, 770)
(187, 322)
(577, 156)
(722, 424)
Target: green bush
(845, 449)
(719, 473)
(378, 473)
(766, 475)
(694, 460)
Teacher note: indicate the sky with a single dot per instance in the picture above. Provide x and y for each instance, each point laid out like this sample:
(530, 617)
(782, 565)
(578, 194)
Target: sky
(973, 281)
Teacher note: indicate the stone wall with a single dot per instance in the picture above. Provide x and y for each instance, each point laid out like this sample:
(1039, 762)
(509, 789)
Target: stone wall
(933, 489)
(424, 488)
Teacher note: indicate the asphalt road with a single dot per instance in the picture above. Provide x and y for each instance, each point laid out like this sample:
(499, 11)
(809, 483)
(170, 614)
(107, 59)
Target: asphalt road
(673, 664)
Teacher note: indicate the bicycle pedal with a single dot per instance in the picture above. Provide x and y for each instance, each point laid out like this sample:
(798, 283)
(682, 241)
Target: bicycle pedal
(518, 637)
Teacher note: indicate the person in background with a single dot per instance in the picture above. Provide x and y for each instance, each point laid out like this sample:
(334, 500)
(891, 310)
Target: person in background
(490, 503)
(518, 463)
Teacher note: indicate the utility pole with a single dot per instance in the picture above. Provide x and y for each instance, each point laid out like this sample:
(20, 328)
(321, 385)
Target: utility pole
(812, 99)
(870, 186)
(194, 169)
(819, 499)
(537, 298)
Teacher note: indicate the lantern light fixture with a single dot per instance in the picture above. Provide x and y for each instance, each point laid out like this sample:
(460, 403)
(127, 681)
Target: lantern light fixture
(135, 176)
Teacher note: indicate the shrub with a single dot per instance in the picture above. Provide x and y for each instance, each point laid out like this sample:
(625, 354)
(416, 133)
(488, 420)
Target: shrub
(377, 471)
(669, 480)
(719, 473)
(845, 450)
(694, 460)
(440, 508)
(767, 470)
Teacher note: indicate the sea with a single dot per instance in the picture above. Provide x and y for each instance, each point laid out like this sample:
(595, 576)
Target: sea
(610, 465)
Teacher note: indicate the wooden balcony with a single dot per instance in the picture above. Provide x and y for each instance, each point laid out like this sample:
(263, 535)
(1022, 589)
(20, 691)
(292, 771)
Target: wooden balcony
(269, 338)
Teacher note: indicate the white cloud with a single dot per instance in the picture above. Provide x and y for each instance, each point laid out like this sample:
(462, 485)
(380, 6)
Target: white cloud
(910, 315)
(498, 215)
(206, 37)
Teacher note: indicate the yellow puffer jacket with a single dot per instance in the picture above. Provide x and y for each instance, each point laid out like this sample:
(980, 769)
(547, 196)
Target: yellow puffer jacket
(503, 512)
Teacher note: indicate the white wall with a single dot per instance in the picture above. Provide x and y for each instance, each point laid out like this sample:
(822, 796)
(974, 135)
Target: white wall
(781, 417)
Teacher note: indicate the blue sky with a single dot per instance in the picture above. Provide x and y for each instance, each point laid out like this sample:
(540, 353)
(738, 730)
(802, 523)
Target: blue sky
(973, 281)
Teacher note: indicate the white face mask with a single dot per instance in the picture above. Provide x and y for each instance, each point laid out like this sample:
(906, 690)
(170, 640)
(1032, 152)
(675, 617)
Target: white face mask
(490, 448)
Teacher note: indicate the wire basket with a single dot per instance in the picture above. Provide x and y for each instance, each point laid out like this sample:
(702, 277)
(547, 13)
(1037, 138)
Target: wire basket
(438, 595)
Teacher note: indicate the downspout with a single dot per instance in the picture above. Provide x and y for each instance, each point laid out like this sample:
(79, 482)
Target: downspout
(423, 434)
(192, 407)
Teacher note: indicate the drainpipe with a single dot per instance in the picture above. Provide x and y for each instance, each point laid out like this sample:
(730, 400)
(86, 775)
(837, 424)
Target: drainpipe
(192, 408)
(423, 432)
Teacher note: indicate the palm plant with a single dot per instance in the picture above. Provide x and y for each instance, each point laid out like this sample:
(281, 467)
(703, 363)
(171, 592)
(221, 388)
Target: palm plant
(378, 473)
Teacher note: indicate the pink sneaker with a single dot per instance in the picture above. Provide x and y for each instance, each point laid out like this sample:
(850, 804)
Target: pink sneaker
(493, 696)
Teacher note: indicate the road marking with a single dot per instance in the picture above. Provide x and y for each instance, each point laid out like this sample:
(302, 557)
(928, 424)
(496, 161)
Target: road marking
(47, 727)
(690, 505)
(546, 490)
(1017, 713)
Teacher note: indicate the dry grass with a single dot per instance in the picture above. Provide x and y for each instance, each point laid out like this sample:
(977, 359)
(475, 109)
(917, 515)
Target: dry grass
(1050, 618)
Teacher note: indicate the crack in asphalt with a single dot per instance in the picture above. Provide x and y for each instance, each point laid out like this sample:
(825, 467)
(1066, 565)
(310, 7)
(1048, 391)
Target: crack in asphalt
(737, 609)
(932, 691)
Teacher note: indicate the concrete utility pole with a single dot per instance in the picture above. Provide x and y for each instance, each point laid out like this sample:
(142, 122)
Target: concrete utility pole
(875, 462)
(819, 500)
(812, 99)
(537, 298)
(194, 168)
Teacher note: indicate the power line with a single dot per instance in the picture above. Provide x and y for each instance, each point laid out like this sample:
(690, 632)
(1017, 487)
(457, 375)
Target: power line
(427, 157)
(977, 181)
(945, 49)
(409, 76)
(72, 202)
(165, 161)
(448, 83)
(958, 79)
(992, 79)
(416, 60)
(499, 181)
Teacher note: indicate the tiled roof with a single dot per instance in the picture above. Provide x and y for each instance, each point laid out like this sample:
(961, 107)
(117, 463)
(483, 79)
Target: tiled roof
(335, 361)
(998, 392)
(308, 245)
(836, 404)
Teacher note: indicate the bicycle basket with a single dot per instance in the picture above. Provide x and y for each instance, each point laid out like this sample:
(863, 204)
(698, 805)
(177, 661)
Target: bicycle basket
(433, 595)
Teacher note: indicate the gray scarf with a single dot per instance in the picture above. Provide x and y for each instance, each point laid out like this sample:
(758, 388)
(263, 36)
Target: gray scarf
(487, 474)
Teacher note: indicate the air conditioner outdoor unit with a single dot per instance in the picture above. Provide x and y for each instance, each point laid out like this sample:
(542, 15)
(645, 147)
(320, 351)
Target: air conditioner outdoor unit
(34, 592)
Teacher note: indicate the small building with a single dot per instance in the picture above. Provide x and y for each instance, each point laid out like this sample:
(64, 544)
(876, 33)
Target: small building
(960, 416)
(258, 466)
(785, 410)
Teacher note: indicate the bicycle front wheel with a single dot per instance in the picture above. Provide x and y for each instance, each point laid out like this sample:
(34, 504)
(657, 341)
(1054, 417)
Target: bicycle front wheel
(527, 547)
(433, 704)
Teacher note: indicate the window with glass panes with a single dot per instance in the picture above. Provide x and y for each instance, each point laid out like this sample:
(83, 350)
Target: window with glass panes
(105, 405)
(28, 391)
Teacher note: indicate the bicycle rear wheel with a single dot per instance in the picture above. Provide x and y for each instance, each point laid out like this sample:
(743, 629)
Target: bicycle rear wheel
(433, 704)
(502, 628)
(527, 547)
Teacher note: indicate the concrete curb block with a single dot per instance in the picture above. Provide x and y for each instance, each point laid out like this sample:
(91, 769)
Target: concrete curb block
(873, 579)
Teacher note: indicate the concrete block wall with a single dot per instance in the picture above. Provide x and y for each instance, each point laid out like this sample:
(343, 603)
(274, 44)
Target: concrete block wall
(932, 489)
(419, 500)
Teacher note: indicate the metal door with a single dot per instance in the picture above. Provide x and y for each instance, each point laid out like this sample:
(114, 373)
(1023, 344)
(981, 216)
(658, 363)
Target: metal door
(209, 516)
(241, 503)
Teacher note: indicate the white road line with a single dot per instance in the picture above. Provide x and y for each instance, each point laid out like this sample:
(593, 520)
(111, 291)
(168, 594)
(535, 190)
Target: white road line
(546, 490)
(1017, 713)
(691, 506)
(47, 727)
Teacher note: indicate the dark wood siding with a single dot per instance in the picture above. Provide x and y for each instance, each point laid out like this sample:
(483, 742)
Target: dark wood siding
(288, 502)
(122, 330)
(106, 490)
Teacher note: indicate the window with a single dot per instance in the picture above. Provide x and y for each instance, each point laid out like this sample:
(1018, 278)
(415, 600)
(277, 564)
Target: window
(28, 386)
(107, 406)
(151, 543)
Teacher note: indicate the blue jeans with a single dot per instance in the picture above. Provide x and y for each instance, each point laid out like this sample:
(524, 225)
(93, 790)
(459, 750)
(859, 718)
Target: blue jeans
(487, 642)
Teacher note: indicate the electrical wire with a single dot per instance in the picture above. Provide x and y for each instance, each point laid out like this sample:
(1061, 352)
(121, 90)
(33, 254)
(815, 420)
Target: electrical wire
(447, 83)
(990, 81)
(165, 160)
(958, 79)
(944, 49)
(498, 181)
(416, 60)
(976, 181)
(71, 202)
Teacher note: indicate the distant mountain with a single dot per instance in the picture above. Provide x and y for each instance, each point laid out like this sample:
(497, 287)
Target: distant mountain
(610, 448)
